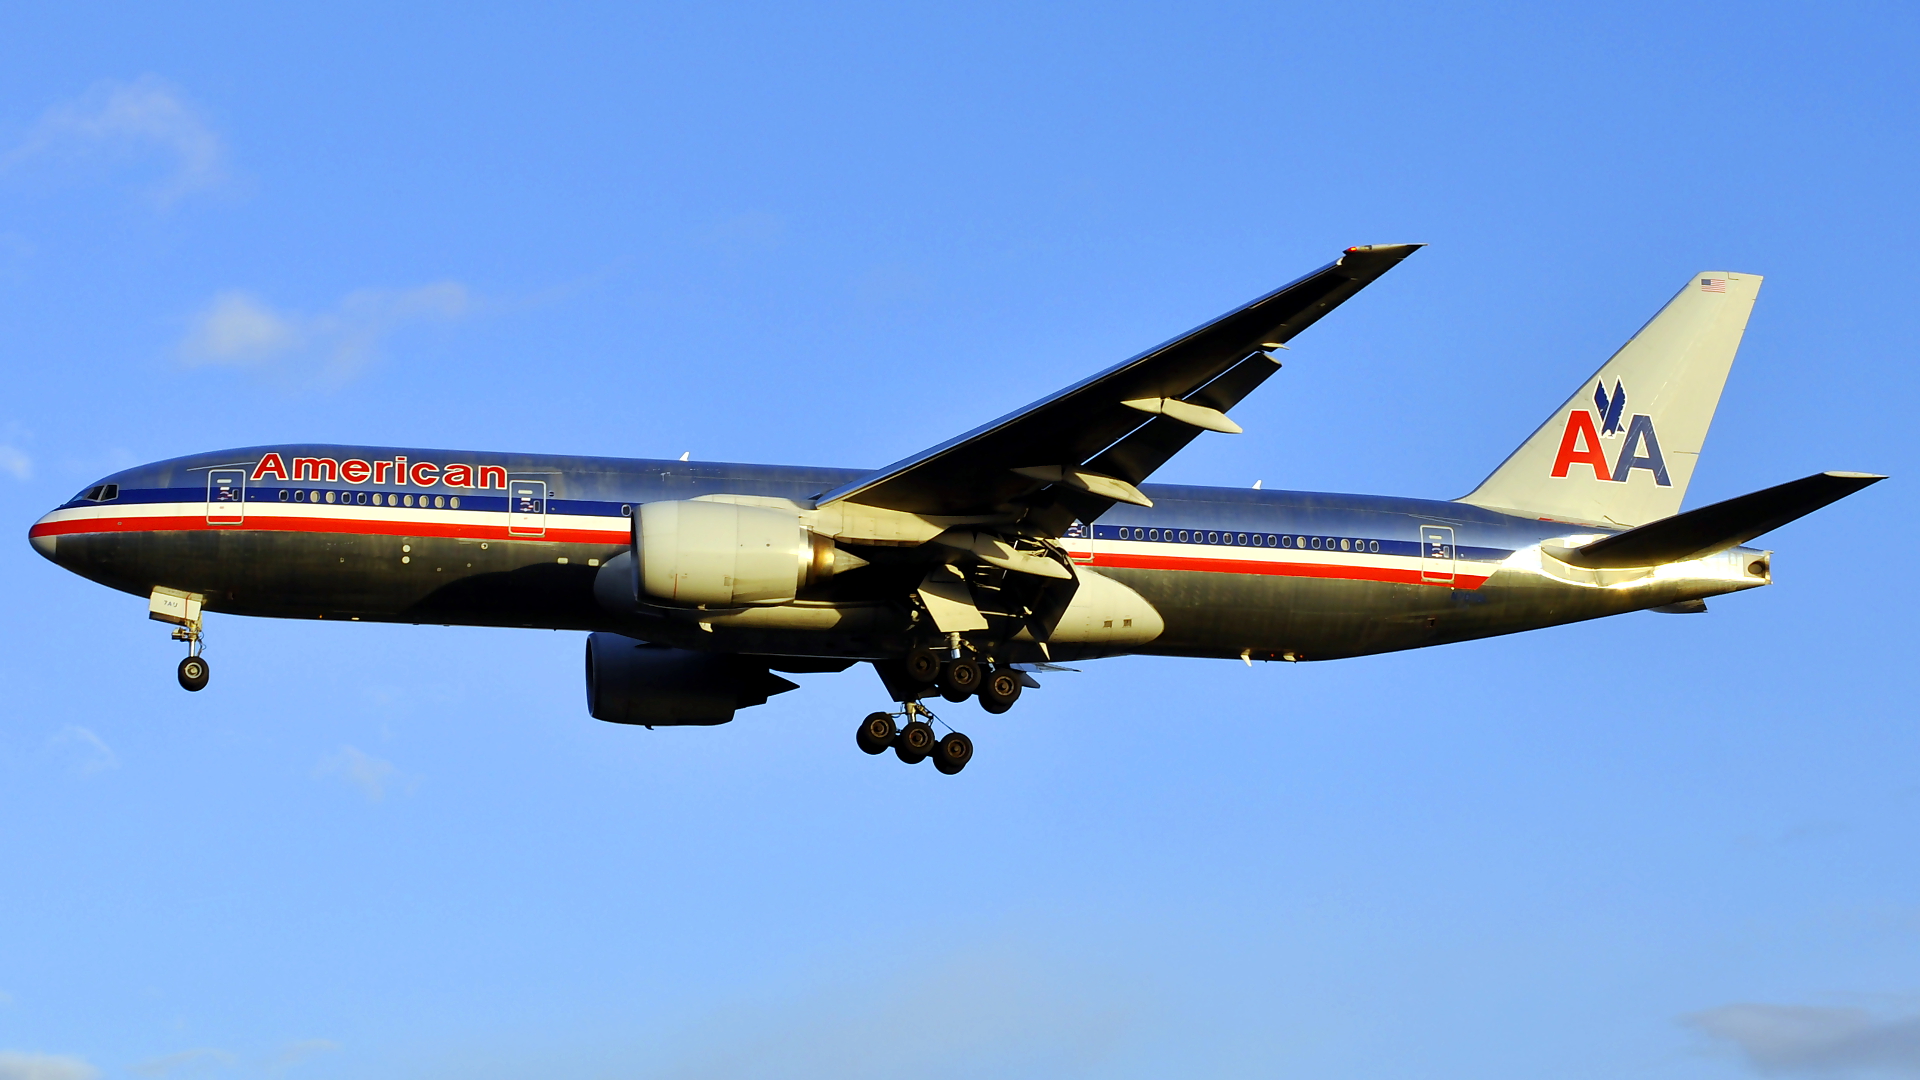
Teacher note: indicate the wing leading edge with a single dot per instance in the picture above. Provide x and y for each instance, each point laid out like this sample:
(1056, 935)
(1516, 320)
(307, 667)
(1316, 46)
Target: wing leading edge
(1074, 453)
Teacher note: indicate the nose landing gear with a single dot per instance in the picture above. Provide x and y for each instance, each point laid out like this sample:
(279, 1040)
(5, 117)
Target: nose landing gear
(182, 609)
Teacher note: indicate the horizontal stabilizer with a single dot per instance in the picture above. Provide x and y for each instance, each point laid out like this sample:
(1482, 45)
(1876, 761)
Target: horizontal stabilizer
(1720, 526)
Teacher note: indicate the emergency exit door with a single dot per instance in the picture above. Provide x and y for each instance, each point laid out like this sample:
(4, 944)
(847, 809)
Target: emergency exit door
(527, 507)
(226, 496)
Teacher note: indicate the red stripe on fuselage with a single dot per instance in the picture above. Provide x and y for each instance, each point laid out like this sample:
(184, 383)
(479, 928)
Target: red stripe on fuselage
(358, 526)
(366, 527)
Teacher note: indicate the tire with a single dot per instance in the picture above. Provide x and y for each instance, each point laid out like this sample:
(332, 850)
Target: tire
(914, 742)
(922, 666)
(1000, 691)
(960, 679)
(952, 753)
(194, 673)
(876, 733)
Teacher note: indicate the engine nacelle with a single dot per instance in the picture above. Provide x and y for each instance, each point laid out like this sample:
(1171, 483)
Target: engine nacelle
(725, 555)
(635, 682)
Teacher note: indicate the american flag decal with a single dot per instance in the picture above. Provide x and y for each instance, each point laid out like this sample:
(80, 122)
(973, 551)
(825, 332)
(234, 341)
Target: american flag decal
(1713, 284)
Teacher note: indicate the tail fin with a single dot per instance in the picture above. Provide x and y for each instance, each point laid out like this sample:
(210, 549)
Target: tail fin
(1622, 450)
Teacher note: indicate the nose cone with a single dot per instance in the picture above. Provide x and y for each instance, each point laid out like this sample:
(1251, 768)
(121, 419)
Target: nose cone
(43, 539)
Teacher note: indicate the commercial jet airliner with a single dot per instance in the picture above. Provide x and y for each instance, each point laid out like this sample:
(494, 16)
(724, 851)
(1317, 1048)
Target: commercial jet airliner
(961, 570)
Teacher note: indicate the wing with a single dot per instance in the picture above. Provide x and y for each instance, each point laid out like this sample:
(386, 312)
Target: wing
(1075, 453)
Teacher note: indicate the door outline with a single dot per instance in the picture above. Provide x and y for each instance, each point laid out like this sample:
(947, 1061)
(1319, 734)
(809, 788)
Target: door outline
(226, 496)
(526, 522)
(1437, 554)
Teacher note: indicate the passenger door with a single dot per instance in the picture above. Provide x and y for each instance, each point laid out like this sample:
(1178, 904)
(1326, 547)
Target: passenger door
(1436, 554)
(226, 496)
(527, 507)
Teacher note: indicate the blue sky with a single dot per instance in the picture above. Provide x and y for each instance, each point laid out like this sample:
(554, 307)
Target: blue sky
(1649, 846)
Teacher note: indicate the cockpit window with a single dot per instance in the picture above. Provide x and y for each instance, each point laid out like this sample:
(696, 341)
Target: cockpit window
(101, 493)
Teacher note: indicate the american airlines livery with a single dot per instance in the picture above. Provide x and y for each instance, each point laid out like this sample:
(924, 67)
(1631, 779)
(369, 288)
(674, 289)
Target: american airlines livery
(963, 569)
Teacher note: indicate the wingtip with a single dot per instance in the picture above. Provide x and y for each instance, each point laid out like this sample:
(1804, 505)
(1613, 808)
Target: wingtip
(1870, 478)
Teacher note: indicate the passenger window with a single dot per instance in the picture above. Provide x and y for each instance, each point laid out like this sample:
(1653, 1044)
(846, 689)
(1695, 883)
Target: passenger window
(1270, 540)
(1286, 541)
(1345, 546)
(1256, 539)
(283, 495)
(1373, 545)
(1183, 536)
(1316, 542)
(626, 509)
(454, 502)
(1242, 538)
(329, 496)
(1123, 532)
(1213, 538)
(439, 501)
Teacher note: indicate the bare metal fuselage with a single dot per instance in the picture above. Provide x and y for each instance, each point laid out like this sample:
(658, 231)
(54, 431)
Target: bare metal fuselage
(1229, 572)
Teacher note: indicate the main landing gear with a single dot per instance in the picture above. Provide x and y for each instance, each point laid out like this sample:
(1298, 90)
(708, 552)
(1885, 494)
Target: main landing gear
(915, 741)
(954, 676)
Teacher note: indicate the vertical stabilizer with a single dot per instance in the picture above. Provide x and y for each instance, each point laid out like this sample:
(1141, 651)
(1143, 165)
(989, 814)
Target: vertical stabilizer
(1622, 450)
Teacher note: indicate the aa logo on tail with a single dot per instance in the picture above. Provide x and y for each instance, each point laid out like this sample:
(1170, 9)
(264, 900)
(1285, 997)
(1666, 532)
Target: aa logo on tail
(1581, 443)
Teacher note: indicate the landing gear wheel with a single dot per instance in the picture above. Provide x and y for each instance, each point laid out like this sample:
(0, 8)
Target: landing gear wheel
(193, 673)
(952, 753)
(914, 742)
(922, 666)
(960, 679)
(1000, 691)
(876, 733)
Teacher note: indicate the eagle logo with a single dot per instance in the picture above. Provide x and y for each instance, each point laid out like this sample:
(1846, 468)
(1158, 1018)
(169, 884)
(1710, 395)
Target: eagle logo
(1609, 412)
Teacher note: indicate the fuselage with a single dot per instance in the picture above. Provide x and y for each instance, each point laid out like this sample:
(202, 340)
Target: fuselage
(381, 534)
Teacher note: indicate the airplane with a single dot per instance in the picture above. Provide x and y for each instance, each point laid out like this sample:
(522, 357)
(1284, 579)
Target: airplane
(962, 570)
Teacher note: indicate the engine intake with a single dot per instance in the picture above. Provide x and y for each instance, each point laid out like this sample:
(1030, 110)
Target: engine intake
(635, 682)
(725, 555)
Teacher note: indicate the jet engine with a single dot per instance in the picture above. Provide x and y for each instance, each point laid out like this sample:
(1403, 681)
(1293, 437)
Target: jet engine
(725, 555)
(635, 682)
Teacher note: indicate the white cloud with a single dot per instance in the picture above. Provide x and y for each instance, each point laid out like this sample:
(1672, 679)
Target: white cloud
(194, 1061)
(121, 122)
(1814, 1041)
(15, 462)
(89, 753)
(330, 348)
(298, 1052)
(15, 1065)
(372, 775)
